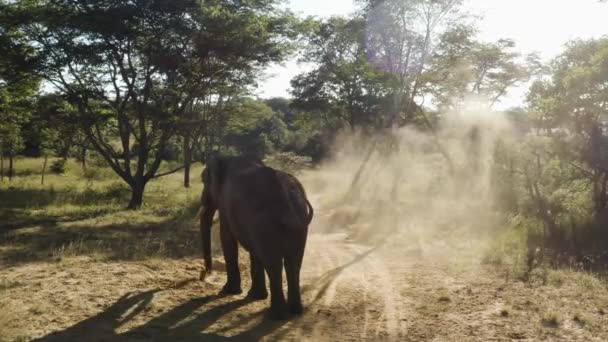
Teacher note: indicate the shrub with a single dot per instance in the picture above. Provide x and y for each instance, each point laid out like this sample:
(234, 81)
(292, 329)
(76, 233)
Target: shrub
(58, 166)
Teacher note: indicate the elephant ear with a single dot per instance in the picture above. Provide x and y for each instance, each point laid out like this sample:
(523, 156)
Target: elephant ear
(213, 171)
(213, 176)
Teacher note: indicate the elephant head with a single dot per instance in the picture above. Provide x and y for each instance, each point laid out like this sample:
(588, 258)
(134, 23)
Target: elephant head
(217, 170)
(211, 188)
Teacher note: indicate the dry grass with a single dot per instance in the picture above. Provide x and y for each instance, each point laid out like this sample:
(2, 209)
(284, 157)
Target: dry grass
(551, 318)
(9, 322)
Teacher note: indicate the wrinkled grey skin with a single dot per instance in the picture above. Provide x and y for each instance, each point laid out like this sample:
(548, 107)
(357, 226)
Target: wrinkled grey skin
(267, 212)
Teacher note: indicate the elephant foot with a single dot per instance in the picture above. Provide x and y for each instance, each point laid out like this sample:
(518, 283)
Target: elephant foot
(230, 289)
(296, 308)
(257, 294)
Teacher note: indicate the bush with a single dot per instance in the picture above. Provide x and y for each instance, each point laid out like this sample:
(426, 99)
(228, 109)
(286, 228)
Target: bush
(509, 253)
(58, 166)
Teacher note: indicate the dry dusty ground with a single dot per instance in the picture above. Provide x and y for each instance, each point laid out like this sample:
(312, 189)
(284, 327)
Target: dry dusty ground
(394, 289)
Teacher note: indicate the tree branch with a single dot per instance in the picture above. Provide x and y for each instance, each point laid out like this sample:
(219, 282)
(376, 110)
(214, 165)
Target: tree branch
(172, 171)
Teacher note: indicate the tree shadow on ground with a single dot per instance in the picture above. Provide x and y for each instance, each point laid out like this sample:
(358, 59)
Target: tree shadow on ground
(15, 219)
(22, 208)
(117, 238)
(184, 322)
(112, 242)
(20, 198)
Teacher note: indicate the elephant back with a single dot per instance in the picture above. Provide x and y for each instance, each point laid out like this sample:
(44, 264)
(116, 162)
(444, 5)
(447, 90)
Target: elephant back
(300, 209)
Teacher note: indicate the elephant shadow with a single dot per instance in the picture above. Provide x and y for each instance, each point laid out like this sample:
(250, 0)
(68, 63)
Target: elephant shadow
(190, 320)
(185, 322)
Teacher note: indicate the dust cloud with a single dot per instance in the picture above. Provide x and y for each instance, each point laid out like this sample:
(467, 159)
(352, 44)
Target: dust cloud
(410, 185)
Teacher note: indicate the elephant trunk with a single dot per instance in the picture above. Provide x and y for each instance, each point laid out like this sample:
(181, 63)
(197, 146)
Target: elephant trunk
(206, 223)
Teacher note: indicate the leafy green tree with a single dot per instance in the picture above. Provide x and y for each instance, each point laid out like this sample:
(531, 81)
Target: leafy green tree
(18, 87)
(248, 125)
(11, 144)
(344, 89)
(571, 107)
(462, 67)
(54, 129)
(53, 111)
(132, 69)
(48, 141)
(282, 107)
(401, 36)
(202, 128)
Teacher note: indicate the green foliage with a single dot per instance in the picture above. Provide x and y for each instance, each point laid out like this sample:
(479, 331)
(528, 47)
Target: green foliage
(247, 129)
(552, 201)
(571, 108)
(344, 89)
(555, 177)
(378, 68)
(463, 68)
(58, 166)
(53, 128)
(133, 72)
(11, 141)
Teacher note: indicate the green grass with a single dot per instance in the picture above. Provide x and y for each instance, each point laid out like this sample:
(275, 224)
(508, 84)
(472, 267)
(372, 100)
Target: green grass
(83, 213)
(508, 254)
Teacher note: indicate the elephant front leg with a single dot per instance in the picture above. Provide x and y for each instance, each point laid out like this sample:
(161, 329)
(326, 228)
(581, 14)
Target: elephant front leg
(231, 257)
(258, 280)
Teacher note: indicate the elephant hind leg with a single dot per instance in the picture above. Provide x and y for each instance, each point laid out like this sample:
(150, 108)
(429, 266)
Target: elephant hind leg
(231, 256)
(277, 298)
(293, 264)
(258, 280)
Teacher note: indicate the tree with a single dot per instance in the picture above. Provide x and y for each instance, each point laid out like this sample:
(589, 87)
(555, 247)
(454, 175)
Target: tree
(248, 128)
(11, 144)
(48, 138)
(400, 39)
(202, 129)
(572, 107)
(132, 69)
(463, 67)
(344, 89)
(18, 86)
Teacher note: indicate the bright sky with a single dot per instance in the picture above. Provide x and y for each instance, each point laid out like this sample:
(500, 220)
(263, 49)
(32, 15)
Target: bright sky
(543, 26)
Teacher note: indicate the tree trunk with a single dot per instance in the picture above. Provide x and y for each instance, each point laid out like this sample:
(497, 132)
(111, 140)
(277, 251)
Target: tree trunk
(137, 195)
(187, 161)
(353, 190)
(1, 166)
(46, 159)
(10, 167)
(64, 154)
(83, 155)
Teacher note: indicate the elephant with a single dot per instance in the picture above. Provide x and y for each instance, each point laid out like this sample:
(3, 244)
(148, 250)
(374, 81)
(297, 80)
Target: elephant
(267, 212)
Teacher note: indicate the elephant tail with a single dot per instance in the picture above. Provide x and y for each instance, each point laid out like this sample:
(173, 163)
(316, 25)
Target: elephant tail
(311, 211)
(300, 207)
